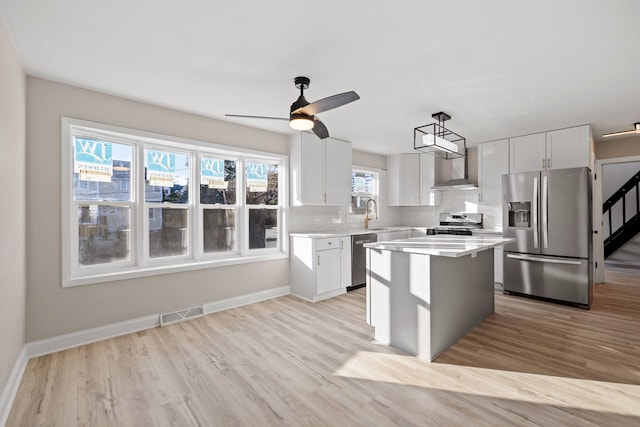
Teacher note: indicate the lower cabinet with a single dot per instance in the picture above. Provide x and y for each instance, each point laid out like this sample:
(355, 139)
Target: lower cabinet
(316, 267)
(327, 271)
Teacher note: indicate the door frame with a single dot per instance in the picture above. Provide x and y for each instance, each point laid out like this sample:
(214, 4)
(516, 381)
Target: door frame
(598, 241)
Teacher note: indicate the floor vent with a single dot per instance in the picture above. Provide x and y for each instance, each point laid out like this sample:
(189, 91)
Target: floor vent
(180, 316)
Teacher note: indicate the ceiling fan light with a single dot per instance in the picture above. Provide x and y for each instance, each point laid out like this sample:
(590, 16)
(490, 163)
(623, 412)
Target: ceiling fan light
(301, 122)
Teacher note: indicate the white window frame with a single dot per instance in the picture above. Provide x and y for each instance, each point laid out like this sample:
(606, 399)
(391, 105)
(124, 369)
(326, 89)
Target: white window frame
(377, 197)
(199, 245)
(140, 264)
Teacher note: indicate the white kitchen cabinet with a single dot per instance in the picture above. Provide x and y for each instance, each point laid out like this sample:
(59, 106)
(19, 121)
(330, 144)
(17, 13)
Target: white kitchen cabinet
(569, 148)
(327, 271)
(493, 162)
(345, 261)
(557, 149)
(315, 267)
(527, 152)
(410, 178)
(320, 171)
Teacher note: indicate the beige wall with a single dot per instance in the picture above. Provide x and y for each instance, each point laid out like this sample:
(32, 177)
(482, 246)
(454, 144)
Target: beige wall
(372, 160)
(12, 215)
(617, 147)
(52, 310)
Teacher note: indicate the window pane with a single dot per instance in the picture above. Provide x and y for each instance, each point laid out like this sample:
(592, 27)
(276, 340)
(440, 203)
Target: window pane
(103, 233)
(363, 182)
(168, 232)
(262, 183)
(101, 170)
(263, 228)
(363, 187)
(219, 230)
(217, 181)
(166, 176)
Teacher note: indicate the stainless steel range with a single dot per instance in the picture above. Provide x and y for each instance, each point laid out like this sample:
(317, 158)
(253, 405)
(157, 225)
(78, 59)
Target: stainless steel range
(458, 223)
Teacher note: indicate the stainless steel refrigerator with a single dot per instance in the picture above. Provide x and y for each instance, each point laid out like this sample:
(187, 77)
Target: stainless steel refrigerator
(549, 215)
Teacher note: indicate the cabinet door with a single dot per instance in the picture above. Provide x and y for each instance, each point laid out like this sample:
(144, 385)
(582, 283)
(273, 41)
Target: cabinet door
(568, 148)
(345, 262)
(527, 153)
(409, 180)
(338, 172)
(327, 270)
(312, 170)
(493, 162)
(428, 172)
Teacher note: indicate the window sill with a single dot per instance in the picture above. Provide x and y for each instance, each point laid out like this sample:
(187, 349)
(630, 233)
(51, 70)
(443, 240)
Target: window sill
(167, 269)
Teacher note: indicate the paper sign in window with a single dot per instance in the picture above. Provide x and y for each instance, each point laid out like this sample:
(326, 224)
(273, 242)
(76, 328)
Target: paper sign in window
(257, 177)
(93, 160)
(161, 168)
(212, 173)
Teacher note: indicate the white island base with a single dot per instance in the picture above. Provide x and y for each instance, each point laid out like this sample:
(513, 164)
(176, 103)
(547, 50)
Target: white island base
(423, 303)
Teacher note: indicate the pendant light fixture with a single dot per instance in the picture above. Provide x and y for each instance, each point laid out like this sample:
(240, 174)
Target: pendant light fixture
(439, 141)
(635, 130)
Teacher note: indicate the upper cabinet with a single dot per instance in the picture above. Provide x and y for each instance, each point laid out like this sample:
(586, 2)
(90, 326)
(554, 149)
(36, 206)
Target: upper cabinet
(558, 149)
(320, 171)
(569, 148)
(493, 162)
(410, 178)
(528, 152)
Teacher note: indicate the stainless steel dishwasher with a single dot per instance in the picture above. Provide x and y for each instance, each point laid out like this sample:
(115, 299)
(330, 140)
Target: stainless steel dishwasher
(359, 259)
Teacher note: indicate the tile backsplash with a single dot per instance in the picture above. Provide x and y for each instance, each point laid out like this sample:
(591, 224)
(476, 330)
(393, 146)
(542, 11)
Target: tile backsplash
(318, 218)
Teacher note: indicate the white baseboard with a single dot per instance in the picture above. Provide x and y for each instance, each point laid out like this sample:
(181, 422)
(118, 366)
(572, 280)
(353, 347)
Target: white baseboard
(88, 336)
(225, 304)
(8, 394)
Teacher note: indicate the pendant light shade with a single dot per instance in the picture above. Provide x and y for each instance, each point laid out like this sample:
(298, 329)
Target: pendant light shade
(439, 141)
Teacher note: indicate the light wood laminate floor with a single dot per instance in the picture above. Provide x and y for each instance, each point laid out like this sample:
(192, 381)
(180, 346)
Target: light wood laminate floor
(286, 362)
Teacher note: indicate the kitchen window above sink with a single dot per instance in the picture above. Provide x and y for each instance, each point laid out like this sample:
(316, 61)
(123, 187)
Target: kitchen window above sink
(364, 186)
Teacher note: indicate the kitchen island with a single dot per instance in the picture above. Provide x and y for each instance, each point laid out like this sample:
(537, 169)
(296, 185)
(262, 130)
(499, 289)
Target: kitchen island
(425, 293)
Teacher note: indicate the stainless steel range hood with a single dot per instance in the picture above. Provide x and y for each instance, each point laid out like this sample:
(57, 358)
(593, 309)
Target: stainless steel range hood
(459, 178)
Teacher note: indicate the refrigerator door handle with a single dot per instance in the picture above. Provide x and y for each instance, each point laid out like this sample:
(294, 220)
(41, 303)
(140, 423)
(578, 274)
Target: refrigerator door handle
(548, 260)
(545, 212)
(535, 212)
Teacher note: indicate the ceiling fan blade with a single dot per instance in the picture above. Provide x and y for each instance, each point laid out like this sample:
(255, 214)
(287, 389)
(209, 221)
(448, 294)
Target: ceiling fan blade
(328, 103)
(320, 129)
(256, 117)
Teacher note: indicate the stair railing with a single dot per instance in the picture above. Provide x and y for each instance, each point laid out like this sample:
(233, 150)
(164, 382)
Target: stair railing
(629, 227)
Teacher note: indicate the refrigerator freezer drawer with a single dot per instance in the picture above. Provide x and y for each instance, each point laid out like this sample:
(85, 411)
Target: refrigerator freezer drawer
(564, 279)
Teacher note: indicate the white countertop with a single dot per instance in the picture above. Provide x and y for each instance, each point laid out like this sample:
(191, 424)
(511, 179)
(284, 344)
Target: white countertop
(442, 244)
(344, 233)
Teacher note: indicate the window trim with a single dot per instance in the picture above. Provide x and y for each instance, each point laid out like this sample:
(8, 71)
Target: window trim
(196, 259)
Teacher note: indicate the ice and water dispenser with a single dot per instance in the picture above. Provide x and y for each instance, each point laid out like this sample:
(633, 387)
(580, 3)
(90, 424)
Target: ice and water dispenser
(519, 214)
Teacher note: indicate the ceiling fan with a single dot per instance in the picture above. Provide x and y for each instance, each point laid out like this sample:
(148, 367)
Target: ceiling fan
(302, 115)
(636, 129)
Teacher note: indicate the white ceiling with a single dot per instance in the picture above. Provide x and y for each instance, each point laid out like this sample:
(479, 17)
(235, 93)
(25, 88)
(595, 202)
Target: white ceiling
(500, 67)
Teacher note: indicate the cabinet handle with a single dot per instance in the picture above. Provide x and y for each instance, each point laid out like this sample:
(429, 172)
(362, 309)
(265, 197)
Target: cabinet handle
(542, 163)
(318, 259)
(549, 163)
(341, 244)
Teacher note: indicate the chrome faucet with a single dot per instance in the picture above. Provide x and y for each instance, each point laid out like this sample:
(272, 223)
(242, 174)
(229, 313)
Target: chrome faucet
(366, 215)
